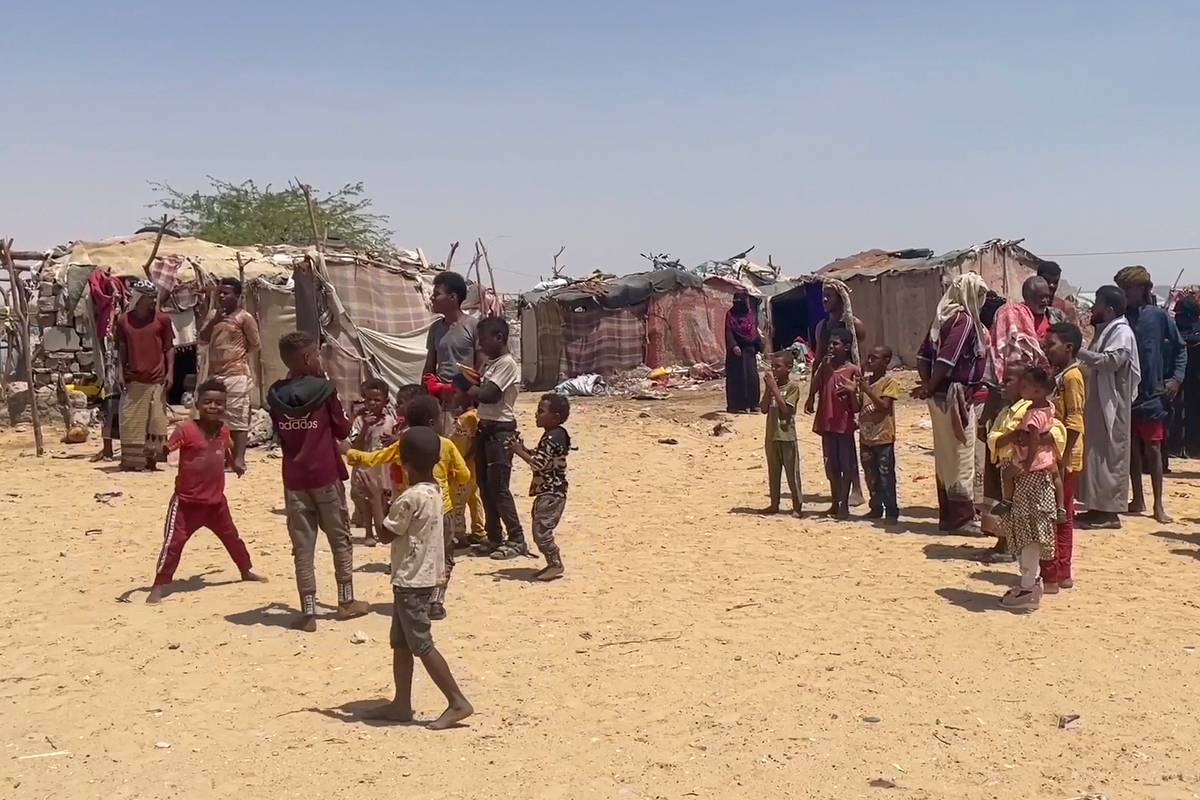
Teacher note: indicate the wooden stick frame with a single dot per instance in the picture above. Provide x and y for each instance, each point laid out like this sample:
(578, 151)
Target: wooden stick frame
(21, 310)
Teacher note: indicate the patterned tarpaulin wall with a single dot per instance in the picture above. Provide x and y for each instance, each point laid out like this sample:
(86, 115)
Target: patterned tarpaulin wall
(687, 327)
(383, 300)
(604, 340)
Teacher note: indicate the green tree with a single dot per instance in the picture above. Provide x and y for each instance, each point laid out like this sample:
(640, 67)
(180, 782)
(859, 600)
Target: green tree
(244, 214)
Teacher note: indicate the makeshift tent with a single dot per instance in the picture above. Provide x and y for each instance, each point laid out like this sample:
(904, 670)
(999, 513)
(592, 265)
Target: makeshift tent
(374, 310)
(603, 324)
(896, 293)
(792, 310)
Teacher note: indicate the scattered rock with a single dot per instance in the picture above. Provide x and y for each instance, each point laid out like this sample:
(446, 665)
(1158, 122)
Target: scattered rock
(163, 745)
(1068, 721)
(872, 720)
(107, 497)
(882, 783)
(723, 429)
(668, 441)
(359, 637)
(173, 646)
(644, 415)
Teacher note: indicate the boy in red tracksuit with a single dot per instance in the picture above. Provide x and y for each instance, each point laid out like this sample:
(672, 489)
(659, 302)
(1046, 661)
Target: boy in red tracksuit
(309, 422)
(205, 447)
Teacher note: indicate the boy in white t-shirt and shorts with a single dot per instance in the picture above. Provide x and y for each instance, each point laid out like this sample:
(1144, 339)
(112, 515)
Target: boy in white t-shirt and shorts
(413, 528)
(496, 395)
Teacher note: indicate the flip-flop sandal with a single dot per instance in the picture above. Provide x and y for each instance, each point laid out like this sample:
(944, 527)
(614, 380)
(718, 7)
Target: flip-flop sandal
(506, 552)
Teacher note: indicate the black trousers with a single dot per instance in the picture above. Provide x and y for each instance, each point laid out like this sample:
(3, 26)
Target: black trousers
(493, 472)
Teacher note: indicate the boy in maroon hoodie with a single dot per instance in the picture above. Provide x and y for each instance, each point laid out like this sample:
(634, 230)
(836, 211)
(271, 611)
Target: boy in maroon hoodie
(309, 422)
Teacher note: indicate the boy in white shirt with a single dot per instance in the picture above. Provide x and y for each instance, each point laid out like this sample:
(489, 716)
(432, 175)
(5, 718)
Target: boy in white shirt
(414, 529)
(496, 395)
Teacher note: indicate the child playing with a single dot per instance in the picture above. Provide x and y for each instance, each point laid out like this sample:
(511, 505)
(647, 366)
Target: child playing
(877, 433)
(496, 394)
(1063, 342)
(370, 487)
(464, 436)
(309, 421)
(450, 472)
(779, 403)
(1029, 525)
(205, 448)
(549, 486)
(835, 421)
(414, 529)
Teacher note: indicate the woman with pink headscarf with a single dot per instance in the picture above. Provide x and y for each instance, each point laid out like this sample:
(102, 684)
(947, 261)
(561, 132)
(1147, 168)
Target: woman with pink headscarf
(743, 343)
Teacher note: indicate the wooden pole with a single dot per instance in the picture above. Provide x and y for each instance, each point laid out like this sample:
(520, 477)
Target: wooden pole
(318, 241)
(22, 310)
(556, 255)
(478, 278)
(487, 261)
(450, 257)
(241, 269)
(162, 227)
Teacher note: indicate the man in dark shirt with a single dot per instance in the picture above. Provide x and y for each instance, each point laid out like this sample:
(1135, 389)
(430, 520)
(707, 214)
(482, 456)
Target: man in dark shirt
(1163, 357)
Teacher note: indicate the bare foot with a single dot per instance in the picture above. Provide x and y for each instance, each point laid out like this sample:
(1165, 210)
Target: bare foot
(254, 577)
(355, 608)
(306, 623)
(551, 572)
(797, 513)
(1160, 515)
(1137, 508)
(389, 712)
(832, 511)
(101, 456)
(155, 596)
(768, 511)
(452, 716)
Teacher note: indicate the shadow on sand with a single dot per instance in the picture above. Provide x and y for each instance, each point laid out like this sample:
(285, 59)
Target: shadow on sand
(192, 584)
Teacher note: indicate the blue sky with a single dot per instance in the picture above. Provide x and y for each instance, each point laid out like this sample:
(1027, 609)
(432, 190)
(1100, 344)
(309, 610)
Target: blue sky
(810, 130)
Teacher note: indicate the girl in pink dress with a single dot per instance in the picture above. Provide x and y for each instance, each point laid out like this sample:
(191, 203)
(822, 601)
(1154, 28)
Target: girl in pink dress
(1037, 492)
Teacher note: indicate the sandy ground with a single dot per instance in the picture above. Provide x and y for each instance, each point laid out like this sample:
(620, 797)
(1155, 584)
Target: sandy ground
(693, 650)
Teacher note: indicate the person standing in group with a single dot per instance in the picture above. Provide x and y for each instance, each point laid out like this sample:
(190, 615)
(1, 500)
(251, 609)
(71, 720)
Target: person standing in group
(453, 341)
(835, 300)
(877, 434)
(1062, 346)
(1029, 526)
(310, 423)
(373, 419)
(1018, 329)
(951, 363)
(549, 485)
(835, 421)
(1112, 371)
(146, 347)
(465, 435)
(1186, 440)
(233, 341)
(780, 403)
(450, 472)
(1162, 358)
(1061, 309)
(205, 449)
(743, 343)
(413, 528)
(496, 395)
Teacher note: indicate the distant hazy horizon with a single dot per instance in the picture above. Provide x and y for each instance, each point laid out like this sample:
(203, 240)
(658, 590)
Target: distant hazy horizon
(697, 129)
